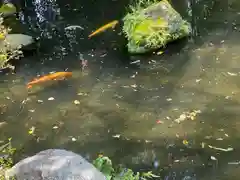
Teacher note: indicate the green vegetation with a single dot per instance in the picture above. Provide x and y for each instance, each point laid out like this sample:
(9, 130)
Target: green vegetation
(7, 53)
(151, 24)
(6, 157)
(104, 164)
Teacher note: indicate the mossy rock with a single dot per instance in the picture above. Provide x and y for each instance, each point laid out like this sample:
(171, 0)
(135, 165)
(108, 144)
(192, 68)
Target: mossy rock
(151, 25)
(8, 9)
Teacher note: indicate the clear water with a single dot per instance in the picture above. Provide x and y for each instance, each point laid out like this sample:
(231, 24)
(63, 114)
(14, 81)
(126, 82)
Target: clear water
(120, 98)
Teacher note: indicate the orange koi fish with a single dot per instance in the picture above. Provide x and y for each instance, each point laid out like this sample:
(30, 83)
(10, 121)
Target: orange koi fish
(50, 77)
(112, 25)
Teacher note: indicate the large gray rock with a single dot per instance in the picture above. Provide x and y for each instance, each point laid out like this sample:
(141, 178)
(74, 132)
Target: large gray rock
(54, 164)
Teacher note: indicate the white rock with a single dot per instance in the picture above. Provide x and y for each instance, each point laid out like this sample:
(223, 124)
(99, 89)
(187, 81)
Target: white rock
(54, 164)
(16, 40)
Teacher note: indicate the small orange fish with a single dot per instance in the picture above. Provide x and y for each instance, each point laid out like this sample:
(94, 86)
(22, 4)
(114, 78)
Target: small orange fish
(112, 25)
(49, 77)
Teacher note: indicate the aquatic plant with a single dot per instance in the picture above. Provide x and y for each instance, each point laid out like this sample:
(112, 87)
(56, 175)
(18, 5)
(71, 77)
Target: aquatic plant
(104, 164)
(7, 53)
(134, 15)
(6, 157)
(151, 24)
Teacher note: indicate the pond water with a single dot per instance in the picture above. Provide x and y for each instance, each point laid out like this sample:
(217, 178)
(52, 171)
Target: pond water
(129, 111)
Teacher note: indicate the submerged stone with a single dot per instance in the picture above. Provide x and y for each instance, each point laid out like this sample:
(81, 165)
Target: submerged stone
(18, 40)
(154, 26)
(54, 164)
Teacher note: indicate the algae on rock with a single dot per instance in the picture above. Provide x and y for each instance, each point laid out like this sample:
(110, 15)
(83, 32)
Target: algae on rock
(152, 24)
(7, 9)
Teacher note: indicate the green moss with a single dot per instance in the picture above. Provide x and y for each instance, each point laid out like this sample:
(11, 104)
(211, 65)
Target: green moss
(8, 9)
(134, 17)
(152, 24)
(150, 32)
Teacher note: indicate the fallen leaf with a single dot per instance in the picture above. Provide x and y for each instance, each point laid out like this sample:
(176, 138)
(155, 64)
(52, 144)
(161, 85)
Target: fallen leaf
(76, 102)
(213, 158)
(234, 163)
(134, 62)
(160, 52)
(159, 122)
(231, 74)
(203, 145)
(221, 149)
(31, 130)
(116, 136)
(134, 85)
(185, 142)
(147, 141)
